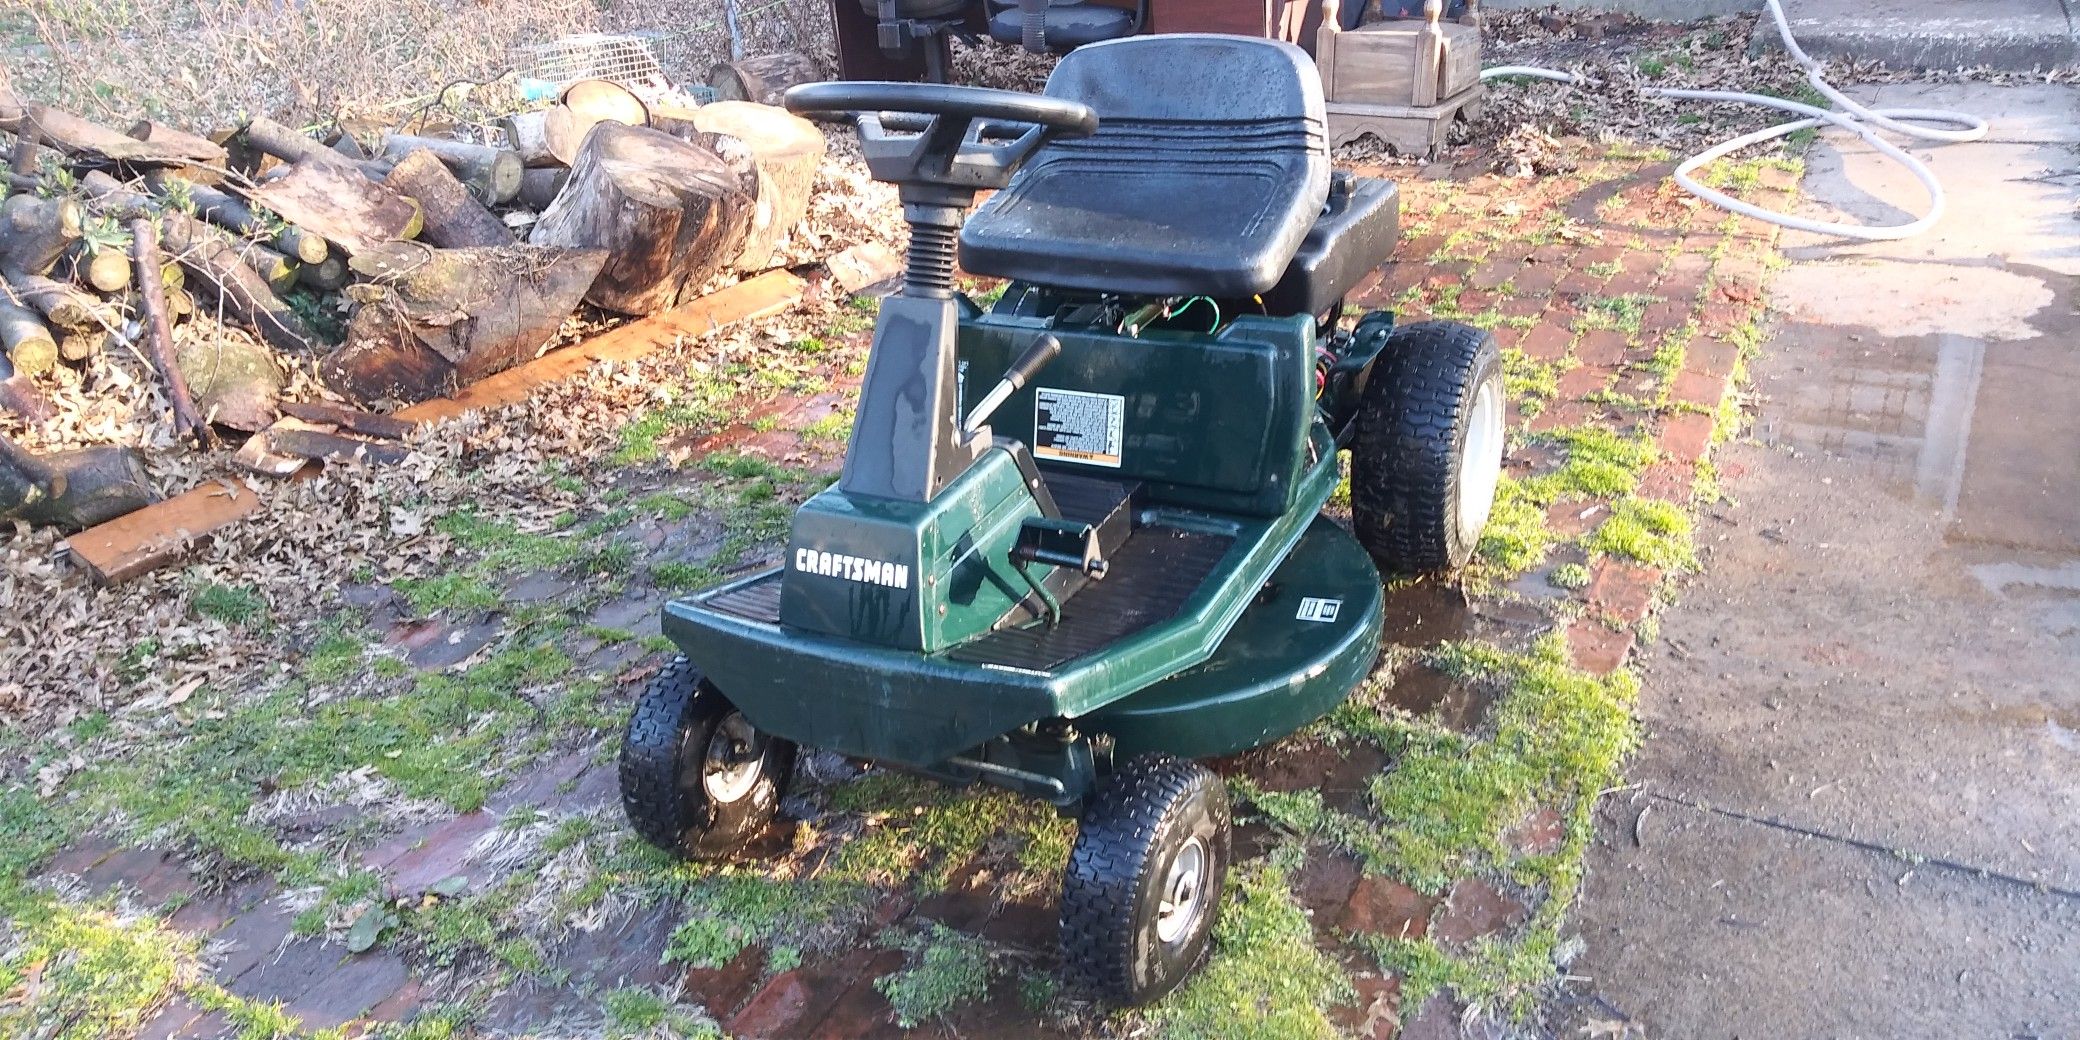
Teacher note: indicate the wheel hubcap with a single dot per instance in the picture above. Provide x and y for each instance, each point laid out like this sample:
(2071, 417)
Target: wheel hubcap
(1480, 460)
(734, 761)
(1184, 898)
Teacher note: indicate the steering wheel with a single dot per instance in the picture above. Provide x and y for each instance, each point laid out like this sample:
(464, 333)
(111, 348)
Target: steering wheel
(932, 135)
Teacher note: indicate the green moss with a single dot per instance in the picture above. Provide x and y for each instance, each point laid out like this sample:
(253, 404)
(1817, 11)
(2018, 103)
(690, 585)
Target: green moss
(1517, 537)
(506, 548)
(680, 576)
(1623, 313)
(1648, 531)
(1559, 737)
(457, 591)
(98, 974)
(1266, 979)
(832, 428)
(1569, 576)
(1525, 380)
(733, 909)
(1599, 464)
(234, 605)
(337, 656)
(947, 971)
(926, 831)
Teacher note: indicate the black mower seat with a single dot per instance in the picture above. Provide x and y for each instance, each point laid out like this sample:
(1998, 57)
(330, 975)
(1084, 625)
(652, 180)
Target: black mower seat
(1208, 168)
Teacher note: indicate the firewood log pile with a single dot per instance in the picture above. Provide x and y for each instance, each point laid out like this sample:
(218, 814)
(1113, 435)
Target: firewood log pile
(348, 277)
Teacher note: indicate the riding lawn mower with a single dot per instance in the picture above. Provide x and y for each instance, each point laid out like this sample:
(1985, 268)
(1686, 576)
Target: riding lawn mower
(1077, 545)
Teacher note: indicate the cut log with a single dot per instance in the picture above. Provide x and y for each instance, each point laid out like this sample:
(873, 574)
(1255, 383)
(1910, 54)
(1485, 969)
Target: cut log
(84, 138)
(289, 144)
(671, 214)
(34, 232)
(77, 346)
(60, 303)
(538, 188)
(586, 104)
(493, 174)
(257, 456)
(676, 120)
(151, 294)
(436, 319)
(324, 277)
(302, 440)
(787, 150)
(31, 348)
(339, 204)
(107, 270)
(278, 271)
(72, 489)
(232, 213)
(12, 109)
(173, 142)
(762, 79)
(527, 134)
(20, 396)
(353, 420)
(211, 257)
(454, 218)
(21, 161)
(235, 381)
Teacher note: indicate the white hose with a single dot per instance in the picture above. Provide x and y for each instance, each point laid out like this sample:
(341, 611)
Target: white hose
(1864, 122)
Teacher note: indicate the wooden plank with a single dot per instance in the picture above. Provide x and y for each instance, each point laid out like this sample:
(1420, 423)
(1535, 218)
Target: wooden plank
(769, 293)
(158, 534)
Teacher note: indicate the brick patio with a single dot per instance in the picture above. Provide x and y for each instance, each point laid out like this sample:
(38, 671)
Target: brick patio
(1587, 274)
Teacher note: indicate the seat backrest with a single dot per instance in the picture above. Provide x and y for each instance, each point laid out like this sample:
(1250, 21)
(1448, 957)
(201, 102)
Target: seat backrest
(1209, 165)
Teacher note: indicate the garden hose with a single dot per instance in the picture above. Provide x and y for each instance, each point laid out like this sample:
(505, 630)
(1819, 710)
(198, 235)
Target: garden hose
(1862, 121)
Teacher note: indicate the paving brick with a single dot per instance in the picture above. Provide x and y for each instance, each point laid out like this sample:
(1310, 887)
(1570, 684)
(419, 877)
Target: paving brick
(1573, 519)
(251, 939)
(1597, 648)
(1561, 414)
(1326, 882)
(1493, 275)
(173, 1021)
(1711, 357)
(1601, 347)
(1669, 482)
(1580, 282)
(1637, 277)
(1623, 590)
(1371, 290)
(321, 984)
(861, 1012)
(1474, 910)
(153, 875)
(1537, 276)
(1698, 389)
(1542, 831)
(1521, 307)
(1663, 316)
(630, 953)
(794, 1002)
(1437, 1019)
(1685, 436)
(1376, 1013)
(1583, 380)
(430, 853)
(80, 856)
(1546, 342)
(1387, 907)
(723, 990)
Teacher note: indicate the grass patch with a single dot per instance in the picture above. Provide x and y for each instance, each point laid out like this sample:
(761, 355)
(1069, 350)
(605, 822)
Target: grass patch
(234, 605)
(1649, 531)
(1517, 537)
(1600, 464)
(457, 591)
(1569, 576)
(1266, 979)
(949, 969)
(1623, 313)
(732, 910)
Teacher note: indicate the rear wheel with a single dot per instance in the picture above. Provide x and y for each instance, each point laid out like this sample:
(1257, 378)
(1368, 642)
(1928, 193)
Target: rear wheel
(1143, 887)
(1428, 454)
(697, 779)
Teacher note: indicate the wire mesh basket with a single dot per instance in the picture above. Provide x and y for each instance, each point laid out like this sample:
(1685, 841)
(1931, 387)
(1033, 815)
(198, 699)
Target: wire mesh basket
(630, 59)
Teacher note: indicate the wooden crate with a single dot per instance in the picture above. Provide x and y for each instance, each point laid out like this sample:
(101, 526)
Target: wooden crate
(1401, 62)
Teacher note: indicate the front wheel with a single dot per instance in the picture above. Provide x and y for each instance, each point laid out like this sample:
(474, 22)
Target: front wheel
(697, 779)
(1143, 887)
(1427, 458)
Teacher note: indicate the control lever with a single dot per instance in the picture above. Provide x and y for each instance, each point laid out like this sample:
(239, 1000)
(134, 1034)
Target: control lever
(1015, 378)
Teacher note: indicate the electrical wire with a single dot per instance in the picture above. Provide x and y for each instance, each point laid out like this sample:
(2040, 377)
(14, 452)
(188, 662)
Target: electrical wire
(1862, 121)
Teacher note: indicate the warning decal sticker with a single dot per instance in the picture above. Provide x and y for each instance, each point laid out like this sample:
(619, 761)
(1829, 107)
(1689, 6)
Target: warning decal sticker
(1073, 426)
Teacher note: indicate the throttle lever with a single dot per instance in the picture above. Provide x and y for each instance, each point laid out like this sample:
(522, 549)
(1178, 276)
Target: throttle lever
(1028, 365)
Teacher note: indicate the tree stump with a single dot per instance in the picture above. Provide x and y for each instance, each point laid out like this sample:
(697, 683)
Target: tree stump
(434, 320)
(235, 382)
(34, 232)
(538, 188)
(787, 150)
(670, 215)
(586, 104)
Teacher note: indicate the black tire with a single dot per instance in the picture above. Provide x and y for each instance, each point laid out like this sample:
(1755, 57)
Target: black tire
(1411, 506)
(670, 783)
(1113, 892)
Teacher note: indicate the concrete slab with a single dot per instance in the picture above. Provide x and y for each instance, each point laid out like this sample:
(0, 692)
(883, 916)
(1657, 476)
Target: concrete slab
(1655, 10)
(1862, 812)
(2011, 197)
(2015, 35)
